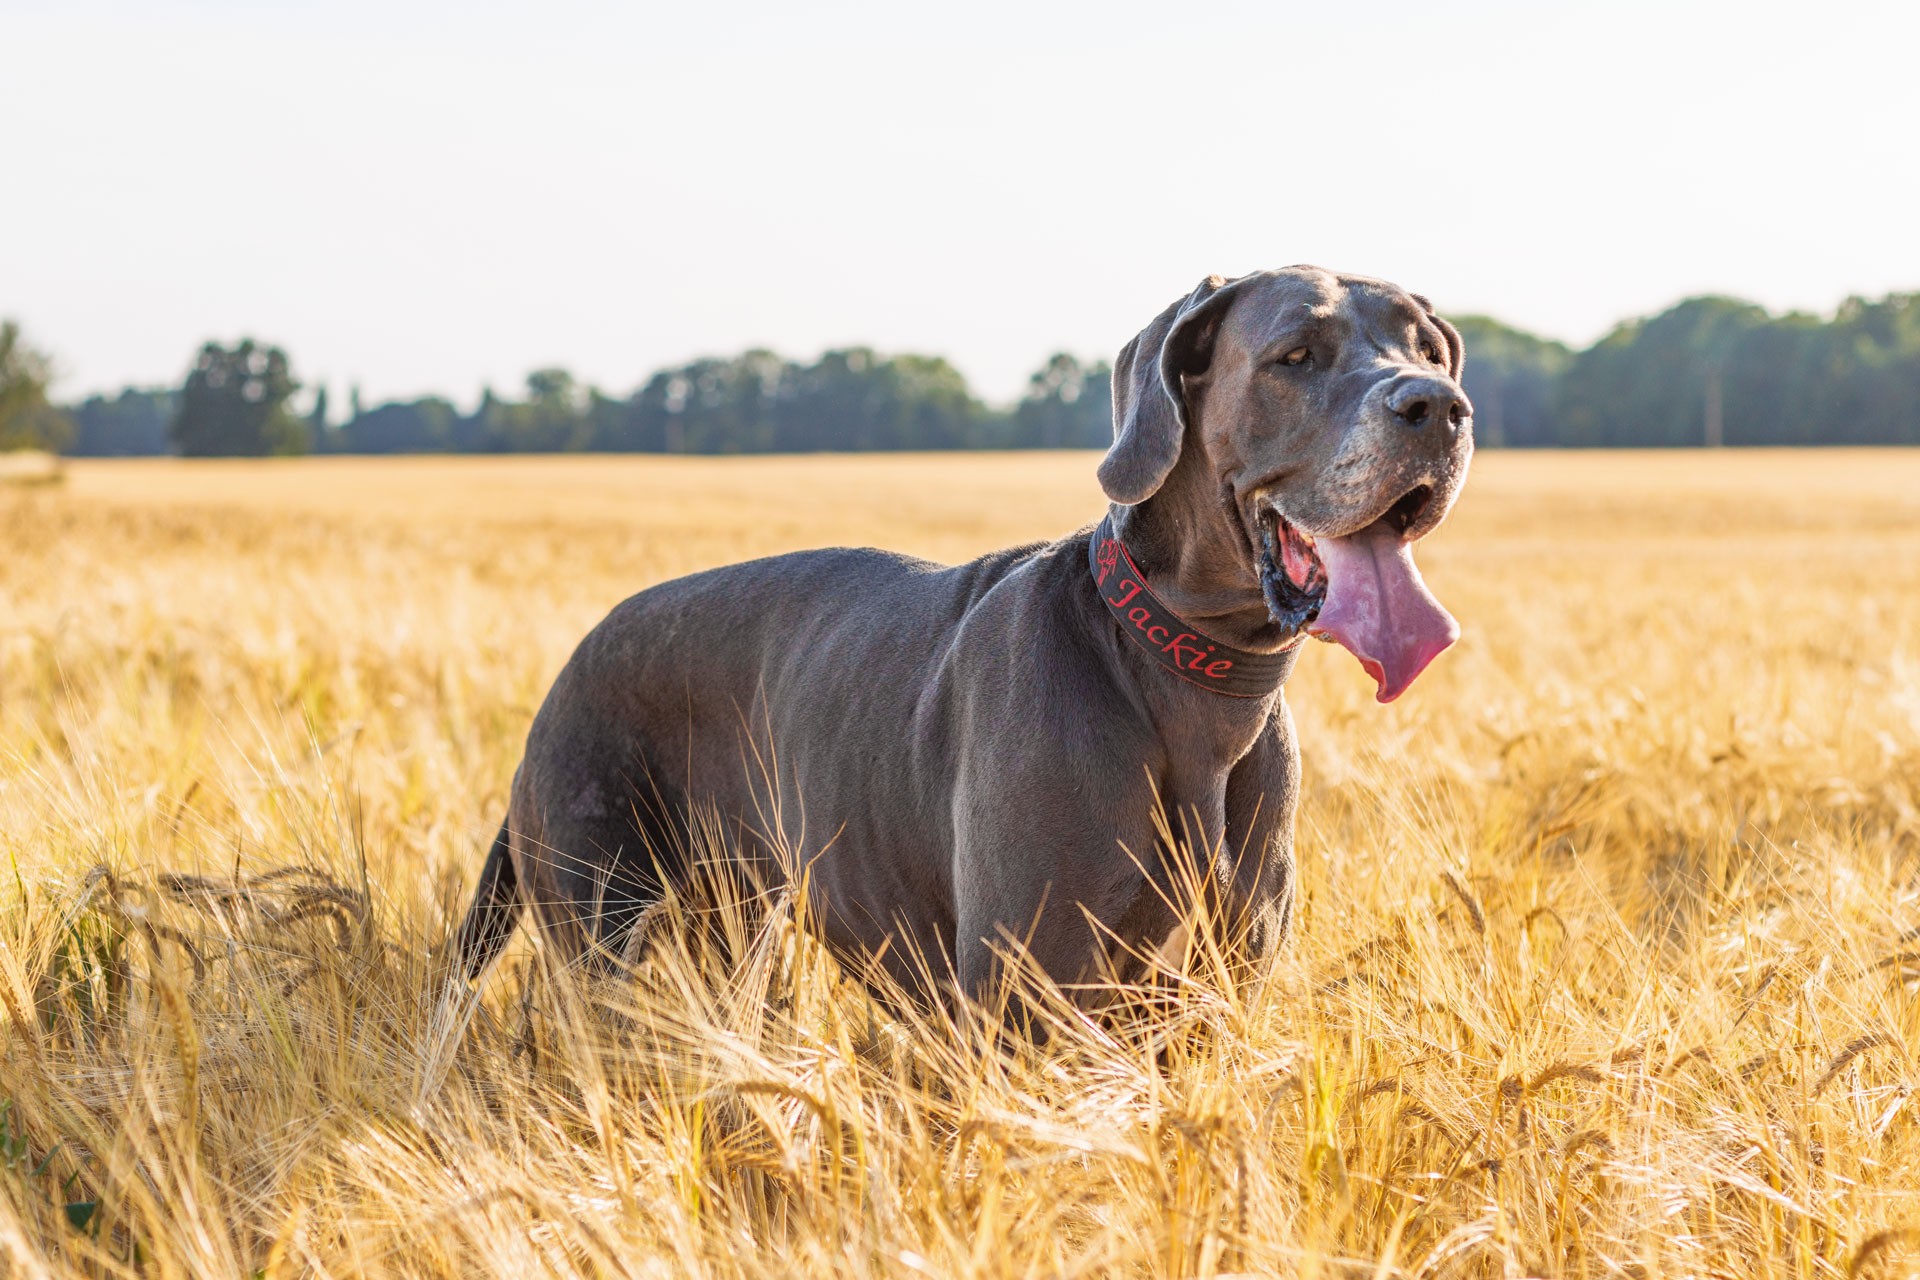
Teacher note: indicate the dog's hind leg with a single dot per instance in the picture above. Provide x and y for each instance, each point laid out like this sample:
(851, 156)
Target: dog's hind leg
(595, 843)
(495, 911)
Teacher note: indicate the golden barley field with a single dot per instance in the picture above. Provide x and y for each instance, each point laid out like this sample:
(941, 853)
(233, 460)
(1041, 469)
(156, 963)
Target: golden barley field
(1606, 961)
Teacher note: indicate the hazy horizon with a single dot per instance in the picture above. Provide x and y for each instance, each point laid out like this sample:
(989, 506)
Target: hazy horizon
(431, 199)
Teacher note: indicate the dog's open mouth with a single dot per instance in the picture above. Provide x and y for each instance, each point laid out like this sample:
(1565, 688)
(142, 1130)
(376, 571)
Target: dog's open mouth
(1360, 590)
(1291, 575)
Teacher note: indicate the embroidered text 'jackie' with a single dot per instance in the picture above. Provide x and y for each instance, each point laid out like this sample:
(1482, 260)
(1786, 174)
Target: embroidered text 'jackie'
(1189, 653)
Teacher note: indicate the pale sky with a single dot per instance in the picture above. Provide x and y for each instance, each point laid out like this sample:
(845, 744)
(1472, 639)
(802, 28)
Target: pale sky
(430, 197)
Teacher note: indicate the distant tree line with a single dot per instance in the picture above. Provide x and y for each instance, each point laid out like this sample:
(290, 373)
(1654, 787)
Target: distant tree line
(752, 403)
(1707, 371)
(235, 402)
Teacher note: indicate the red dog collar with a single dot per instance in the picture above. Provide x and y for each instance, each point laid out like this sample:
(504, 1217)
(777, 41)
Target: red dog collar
(1180, 647)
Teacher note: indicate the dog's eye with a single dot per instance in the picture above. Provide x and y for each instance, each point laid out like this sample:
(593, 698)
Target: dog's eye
(1296, 357)
(1431, 352)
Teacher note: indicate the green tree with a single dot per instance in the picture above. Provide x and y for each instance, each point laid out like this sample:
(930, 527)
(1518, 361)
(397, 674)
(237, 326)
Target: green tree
(549, 420)
(320, 430)
(757, 402)
(235, 404)
(131, 424)
(723, 406)
(419, 426)
(1861, 382)
(856, 399)
(27, 420)
(1510, 377)
(1657, 382)
(1068, 405)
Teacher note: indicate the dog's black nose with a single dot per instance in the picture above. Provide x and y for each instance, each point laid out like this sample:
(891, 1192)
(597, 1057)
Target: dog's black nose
(1420, 401)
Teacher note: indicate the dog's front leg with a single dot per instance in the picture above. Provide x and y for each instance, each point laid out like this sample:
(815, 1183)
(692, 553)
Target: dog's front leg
(1262, 792)
(1052, 890)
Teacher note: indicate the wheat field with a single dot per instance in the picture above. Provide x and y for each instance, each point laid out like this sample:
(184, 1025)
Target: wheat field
(1605, 963)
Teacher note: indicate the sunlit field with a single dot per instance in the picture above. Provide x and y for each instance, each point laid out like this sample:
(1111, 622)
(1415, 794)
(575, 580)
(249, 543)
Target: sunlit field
(1606, 961)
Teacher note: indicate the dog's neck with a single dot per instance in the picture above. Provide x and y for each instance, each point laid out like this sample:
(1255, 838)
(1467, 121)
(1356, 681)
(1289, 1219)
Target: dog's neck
(1175, 643)
(1188, 542)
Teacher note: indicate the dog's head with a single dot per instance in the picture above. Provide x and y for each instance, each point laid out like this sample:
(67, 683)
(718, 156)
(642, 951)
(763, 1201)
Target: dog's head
(1325, 411)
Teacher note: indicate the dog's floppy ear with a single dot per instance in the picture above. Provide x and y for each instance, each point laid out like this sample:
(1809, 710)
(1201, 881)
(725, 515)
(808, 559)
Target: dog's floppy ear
(1149, 403)
(1456, 349)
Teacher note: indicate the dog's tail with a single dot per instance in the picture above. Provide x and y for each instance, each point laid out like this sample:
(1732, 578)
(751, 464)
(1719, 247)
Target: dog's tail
(495, 911)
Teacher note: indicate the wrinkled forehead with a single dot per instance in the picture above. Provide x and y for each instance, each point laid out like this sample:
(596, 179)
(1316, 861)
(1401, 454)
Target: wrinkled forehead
(1295, 301)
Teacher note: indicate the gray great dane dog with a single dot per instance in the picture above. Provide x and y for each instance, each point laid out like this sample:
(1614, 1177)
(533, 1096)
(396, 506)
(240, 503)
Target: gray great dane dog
(956, 757)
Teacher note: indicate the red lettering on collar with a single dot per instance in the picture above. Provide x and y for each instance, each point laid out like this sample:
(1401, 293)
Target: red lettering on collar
(1173, 643)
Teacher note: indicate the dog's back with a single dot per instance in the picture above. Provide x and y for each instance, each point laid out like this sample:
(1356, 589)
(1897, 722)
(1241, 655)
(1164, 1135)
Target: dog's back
(779, 697)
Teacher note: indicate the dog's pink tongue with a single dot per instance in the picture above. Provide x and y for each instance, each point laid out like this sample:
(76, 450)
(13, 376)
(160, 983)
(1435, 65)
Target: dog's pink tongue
(1378, 607)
